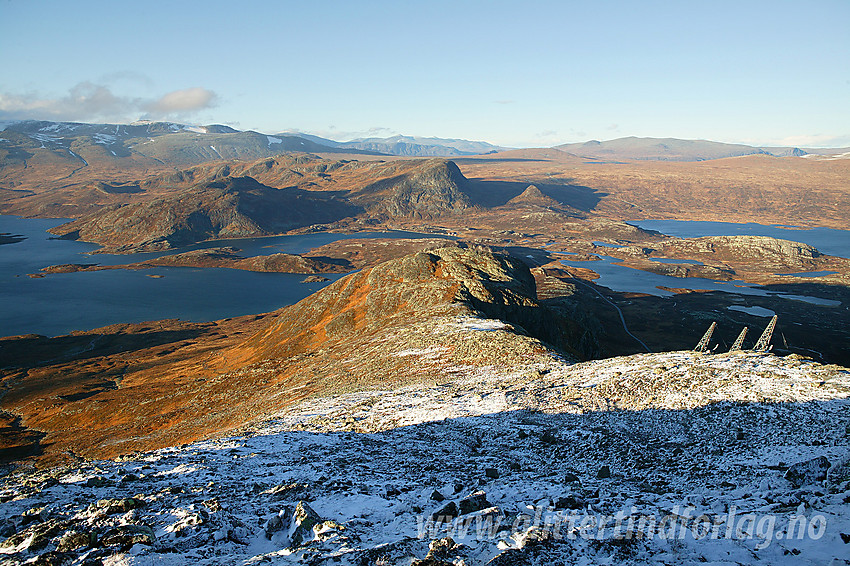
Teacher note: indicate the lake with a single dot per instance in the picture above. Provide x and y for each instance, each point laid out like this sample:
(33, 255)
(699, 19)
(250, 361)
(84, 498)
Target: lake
(629, 280)
(59, 303)
(624, 279)
(827, 240)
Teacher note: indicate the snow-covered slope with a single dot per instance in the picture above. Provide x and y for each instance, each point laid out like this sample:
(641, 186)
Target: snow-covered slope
(548, 463)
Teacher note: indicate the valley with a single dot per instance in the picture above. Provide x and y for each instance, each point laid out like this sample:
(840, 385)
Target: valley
(217, 289)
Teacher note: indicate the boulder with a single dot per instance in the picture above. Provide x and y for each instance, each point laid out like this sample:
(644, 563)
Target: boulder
(808, 471)
(474, 502)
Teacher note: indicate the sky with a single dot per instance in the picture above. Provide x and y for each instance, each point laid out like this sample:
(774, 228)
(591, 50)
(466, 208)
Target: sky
(517, 74)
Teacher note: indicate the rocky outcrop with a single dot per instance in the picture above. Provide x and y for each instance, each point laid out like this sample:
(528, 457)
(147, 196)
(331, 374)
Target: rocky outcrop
(637, 449)
(432, 189)
(765, 250)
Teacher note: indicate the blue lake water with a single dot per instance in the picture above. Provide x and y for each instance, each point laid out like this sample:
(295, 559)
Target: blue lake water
(827, 240)
(685, 261)
(60, 303)
(628, 280)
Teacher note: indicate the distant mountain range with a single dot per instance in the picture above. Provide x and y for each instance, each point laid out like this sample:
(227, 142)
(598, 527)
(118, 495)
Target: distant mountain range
(672, 149)
(410, 146)
(31, 151)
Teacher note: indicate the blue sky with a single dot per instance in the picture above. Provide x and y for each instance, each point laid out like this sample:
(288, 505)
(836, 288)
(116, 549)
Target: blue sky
(516, 74)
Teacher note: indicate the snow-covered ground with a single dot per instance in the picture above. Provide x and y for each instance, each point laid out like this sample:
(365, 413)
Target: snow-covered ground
(675, 458)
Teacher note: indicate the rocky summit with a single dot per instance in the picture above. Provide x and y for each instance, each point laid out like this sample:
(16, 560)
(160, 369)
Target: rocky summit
(676, 458)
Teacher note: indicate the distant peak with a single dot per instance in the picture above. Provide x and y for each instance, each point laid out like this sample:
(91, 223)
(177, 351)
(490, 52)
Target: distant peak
(534, 196)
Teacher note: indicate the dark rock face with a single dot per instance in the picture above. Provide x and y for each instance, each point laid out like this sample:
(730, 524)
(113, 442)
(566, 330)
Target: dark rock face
(125, 536)
(434, 189)
(449, 511)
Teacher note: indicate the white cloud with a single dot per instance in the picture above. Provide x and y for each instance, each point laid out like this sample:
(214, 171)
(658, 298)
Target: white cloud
(182, 102)
(89, 101)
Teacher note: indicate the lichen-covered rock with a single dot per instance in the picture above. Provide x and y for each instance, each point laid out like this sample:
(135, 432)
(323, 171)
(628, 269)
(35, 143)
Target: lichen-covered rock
(303, 521)
(73, 540)
(34, 537)
(113, 506)
(125, 536)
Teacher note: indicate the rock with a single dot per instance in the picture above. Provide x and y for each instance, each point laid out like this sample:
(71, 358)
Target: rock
(437, 496)
(279, 522)
(449, 511)
(570, 502)
(839, 472)
(34, 537)
(808, 471)
(72, 540)
(570, 477)
(97, 481)
(304, 519)
(125, 536)
(515, 467)
(52, 558)
(604, 472)
(431, 562)
(491, 473)
(113, 506)
(474, 502)
(391, 491)
(440, 553)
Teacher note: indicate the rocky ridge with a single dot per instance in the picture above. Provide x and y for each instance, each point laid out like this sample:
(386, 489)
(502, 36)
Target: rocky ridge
(342, 338)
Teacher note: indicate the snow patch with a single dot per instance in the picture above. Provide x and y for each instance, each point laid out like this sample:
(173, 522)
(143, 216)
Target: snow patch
(273, 139)
(755, 311)
(105, 139)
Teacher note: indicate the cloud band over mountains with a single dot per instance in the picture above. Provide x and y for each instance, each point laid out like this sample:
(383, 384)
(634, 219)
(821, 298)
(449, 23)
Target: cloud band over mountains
(89, 101)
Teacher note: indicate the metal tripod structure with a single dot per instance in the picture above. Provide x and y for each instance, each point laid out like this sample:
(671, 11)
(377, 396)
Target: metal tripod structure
(739, 341)
(702, 346)
(763, 344)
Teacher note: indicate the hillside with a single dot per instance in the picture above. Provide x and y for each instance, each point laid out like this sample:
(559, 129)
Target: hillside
(221, 204)
(51, 155)
(434, 188)
(214, 376)
(632, 460)
(231, 208)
